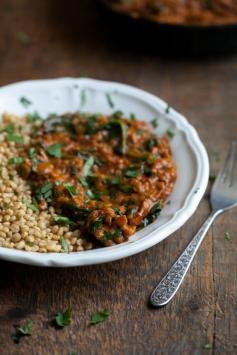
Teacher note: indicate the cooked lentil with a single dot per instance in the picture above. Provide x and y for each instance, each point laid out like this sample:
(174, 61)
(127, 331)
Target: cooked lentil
(78, 181)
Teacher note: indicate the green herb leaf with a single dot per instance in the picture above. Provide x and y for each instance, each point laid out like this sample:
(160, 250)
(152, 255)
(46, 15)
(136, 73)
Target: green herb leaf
(33, 117)
(88, 166)
(97, 224)
(63, 221)
(132, 117)
(71, 189)
(126, 188)
(25, 102)
(227, 236)
(150, 143)
(32, 205)
(16, 160)
(130, 173)
(167, 110)
(64, 245)
(25, 329)
(10, 128)
(207, 347)
(23, 37)
(55, 150)
(11, 137)
(117, 211)
(44, 192)
(170, 133)
(63, 319)
(154, 123)
(110, 101)
(100, 316)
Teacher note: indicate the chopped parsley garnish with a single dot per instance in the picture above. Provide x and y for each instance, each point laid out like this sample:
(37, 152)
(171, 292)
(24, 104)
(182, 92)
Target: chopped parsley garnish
(117, 114)
(109, 100)
(83, 181)
(167, 110)
(97, 224)
(151, 143)
(16, 160)
(11, 135)
(55, 150)
(154, 123)
(25, 102)
(21, 331)
(65, 245)
(170, 133)
(126, 188)
(99, 316)
(70, 188)
(88, 166)
(132, 117)
(117, 211)
(108, 235)
(91, 124)
(31, 205)
(152, 215)
(130, 173)
(26, 329)
(207, 347)
(44, 192)
(33, 157)
(116, 180)
(62, 220)
(227, 236)
(23, 37)
(33, 117)
(63, 319)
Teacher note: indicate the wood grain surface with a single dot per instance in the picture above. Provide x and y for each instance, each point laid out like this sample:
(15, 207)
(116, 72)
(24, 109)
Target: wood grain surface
(69, 38)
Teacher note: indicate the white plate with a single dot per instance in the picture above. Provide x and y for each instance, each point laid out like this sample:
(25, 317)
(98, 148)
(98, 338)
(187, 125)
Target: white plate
(69, 94)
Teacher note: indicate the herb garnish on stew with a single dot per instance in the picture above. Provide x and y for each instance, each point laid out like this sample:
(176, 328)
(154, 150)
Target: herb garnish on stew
(106, 176)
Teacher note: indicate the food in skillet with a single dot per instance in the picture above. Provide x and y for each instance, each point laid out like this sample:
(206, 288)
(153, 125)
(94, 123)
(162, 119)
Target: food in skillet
(78, 181)
(198, 12)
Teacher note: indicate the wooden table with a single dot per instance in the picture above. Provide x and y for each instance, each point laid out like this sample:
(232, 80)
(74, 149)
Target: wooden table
(67, 38)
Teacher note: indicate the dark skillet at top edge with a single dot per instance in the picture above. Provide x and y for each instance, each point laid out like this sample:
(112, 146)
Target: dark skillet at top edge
(184, 39)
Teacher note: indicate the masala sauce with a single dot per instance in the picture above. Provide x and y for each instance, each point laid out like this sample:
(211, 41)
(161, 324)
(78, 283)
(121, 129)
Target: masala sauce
(110, 175)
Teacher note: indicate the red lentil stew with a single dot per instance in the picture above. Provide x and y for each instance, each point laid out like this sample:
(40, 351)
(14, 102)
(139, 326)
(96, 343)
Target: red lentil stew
(104, 175)
(198, 12)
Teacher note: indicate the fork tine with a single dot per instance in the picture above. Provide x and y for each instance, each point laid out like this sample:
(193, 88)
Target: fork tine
(226, 174)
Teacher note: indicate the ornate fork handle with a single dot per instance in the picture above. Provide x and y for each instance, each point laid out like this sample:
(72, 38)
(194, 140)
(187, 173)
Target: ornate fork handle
(170, 284)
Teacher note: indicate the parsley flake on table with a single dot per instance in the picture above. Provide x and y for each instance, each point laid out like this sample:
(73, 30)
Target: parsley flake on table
(227, 236)
(207, 347)
(99, 316)
(25, 102)
(63, 319)
(24, 330)
(55, 150)
(23, 37)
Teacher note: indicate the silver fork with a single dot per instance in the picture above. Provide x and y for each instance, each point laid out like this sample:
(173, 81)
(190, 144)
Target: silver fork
(223, 198)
